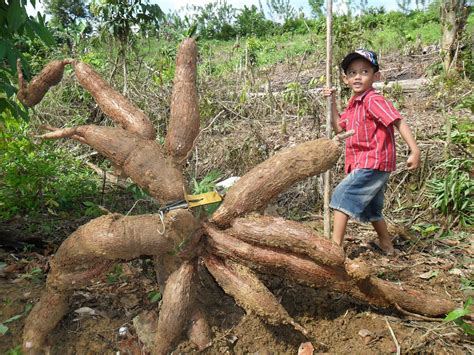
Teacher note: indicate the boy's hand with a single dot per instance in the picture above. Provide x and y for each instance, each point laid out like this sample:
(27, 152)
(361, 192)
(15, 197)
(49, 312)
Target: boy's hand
(413, 161)
(328, 91)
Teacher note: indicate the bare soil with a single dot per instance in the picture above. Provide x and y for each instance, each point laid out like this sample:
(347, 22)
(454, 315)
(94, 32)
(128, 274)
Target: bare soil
(338, 323)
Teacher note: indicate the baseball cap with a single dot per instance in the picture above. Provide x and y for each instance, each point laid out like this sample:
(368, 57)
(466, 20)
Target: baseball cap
(370, 56)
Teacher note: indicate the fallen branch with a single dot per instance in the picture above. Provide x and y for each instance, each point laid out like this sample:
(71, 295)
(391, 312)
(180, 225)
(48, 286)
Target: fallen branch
(393, 337)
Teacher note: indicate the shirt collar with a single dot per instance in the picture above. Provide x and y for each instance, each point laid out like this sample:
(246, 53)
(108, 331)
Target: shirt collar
(359, 98)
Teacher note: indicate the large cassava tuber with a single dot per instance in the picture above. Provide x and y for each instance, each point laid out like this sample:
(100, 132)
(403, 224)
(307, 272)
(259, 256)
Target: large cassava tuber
(249, 292)
(233, 245)
(260, 185)
(183, 126)
(142, 160)
(31, 94)
(113, 103)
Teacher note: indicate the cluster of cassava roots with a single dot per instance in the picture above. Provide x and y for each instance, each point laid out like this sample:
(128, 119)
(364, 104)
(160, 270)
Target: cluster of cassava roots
(234, 245)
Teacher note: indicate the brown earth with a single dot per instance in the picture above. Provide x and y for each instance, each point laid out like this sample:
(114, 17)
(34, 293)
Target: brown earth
(334, 320)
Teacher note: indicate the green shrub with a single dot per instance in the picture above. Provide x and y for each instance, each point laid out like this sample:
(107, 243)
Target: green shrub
(38, 177)
(452, 190)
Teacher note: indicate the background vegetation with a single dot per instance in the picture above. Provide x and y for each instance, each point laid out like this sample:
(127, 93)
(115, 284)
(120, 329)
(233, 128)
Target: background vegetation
(132, 43)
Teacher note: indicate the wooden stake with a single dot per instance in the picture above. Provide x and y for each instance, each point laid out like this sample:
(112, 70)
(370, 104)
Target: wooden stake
(327, 174)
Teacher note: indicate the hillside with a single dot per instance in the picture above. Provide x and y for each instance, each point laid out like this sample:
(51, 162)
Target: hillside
(249, 111)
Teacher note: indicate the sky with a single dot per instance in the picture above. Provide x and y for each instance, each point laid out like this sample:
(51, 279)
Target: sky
(173, 5)
(167, 5)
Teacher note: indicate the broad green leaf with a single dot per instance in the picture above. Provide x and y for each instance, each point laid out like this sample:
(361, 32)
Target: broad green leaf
(42, 32)
(457, 313)
(16, 15)
(14, 318)
(3, 48)
(3, 329)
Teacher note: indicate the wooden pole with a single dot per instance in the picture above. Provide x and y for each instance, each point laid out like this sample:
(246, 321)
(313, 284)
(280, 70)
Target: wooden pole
(327, 174)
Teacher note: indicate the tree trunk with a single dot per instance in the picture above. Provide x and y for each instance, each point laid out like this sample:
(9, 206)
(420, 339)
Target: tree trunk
(453, 19)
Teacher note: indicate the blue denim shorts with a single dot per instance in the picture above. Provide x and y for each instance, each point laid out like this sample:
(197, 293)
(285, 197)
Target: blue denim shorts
(360, 194)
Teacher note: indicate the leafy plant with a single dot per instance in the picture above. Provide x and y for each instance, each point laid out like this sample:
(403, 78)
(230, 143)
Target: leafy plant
(16, 29)
(154, 296)
(35, 275)
(452, 190)
(4, 328)
(462, 131)
(426, 229)
(38, 177)
(296, 95)
(468, 103)
(467, 284)
(15, 351)
(456, 317)
(115, 275)
(207, 184)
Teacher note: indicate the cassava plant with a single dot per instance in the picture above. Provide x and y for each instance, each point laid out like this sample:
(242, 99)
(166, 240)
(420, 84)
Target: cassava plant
(234, 244)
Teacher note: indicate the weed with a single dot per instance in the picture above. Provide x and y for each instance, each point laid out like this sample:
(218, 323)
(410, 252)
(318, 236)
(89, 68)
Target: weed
(35, 275)
(207, 184)
(4, 328)
(457, 314)
(38, 177)
(15, 351)
(467, 284)
(426, 229)
(452, 190)
(154, 296)
(295, 95)
(115, 275)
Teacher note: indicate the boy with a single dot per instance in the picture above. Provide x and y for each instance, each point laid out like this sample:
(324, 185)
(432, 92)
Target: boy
(370, 152)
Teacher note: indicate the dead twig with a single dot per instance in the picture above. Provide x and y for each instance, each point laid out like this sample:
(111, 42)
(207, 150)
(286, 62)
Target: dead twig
(393, 336)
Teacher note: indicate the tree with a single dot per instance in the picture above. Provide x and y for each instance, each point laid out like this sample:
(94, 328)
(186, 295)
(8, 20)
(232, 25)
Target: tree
(214, 19)
(281, 10)
(317, 7)
(454, 15)
(252, 21)
(119, 18)
(65, 13)
(16, 27)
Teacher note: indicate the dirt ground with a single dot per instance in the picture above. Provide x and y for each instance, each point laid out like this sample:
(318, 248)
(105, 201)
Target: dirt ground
(338, 323)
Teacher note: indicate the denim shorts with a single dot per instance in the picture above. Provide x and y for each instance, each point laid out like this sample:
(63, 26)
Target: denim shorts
(360, 194)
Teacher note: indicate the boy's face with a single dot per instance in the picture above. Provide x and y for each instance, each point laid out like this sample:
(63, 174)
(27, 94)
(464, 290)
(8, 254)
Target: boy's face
(360, 76)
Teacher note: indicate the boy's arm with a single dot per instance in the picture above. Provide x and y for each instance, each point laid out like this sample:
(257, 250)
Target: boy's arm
(335, 114)
(413, 160)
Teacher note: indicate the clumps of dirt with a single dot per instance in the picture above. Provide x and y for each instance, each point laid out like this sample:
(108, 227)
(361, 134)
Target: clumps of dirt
(101, 315)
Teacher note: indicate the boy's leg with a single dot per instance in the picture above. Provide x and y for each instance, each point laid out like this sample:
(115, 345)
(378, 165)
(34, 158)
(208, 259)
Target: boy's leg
(385, 241)
(339, 229)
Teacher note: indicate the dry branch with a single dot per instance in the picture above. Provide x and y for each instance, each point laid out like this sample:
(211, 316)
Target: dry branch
(183, 126)
(261, 184)
(113, 103)
(32, 93)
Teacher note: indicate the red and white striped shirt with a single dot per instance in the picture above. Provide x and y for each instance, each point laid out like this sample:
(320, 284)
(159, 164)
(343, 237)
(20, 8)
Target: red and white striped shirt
(372, 146)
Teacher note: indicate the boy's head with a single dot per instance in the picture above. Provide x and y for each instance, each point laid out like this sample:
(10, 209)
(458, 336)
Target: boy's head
(360, 53)
(360, 70)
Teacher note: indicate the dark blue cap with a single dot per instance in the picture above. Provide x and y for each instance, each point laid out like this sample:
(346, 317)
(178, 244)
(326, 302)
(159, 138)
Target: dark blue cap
(370, 56)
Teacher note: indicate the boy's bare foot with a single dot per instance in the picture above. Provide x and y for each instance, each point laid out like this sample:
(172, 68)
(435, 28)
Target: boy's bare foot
(384, 246)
